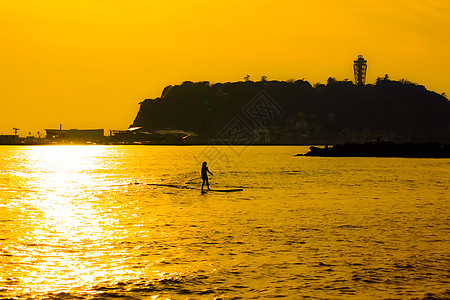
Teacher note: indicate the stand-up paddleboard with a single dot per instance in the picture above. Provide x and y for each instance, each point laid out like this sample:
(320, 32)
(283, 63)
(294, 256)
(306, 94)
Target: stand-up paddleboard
(225, 190)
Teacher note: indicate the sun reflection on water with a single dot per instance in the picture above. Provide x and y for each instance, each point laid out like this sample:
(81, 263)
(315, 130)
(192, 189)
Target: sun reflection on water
(66, 232)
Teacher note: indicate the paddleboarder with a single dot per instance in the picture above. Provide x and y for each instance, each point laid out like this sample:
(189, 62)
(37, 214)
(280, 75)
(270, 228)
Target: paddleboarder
(205, 172)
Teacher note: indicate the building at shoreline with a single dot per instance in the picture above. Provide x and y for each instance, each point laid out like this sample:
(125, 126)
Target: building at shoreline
(8, 139)
(75, 135)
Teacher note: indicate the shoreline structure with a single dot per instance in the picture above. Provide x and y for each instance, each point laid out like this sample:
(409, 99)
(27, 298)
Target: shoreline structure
(383, 149)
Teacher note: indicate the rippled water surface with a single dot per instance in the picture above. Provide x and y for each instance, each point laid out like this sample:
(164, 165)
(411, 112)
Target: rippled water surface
(86, 222)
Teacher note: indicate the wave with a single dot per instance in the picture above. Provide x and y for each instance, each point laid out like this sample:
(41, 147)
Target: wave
(444, 295)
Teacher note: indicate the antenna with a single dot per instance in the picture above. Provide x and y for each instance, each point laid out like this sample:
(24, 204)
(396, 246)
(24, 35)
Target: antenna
(15, 130)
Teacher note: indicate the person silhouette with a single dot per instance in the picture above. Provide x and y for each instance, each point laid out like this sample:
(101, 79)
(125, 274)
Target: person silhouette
(205, 172)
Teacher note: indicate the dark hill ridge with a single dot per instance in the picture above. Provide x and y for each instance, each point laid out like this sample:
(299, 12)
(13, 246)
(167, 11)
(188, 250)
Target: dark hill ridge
(338, 111)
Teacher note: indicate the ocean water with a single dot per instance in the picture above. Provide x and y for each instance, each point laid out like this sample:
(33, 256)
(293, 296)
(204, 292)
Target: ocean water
(98, 222)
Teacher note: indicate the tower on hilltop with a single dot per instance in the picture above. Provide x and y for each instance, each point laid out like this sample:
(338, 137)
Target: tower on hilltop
(360, 69)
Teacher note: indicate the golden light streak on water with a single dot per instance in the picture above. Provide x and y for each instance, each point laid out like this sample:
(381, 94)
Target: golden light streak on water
(68, 243)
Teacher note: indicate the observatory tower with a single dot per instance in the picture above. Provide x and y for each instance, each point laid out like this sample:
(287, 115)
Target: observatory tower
(360, 69)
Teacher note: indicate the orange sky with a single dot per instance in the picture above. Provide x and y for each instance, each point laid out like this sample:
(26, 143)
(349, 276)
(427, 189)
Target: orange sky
(88, 63)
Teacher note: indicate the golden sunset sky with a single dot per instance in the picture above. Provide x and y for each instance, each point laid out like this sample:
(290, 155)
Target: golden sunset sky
(88, 63)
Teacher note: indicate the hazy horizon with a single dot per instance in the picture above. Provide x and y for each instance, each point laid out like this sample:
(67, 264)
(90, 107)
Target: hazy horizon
(88, 64)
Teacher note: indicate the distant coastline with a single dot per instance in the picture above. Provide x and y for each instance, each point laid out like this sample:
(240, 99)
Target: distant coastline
(274, 113)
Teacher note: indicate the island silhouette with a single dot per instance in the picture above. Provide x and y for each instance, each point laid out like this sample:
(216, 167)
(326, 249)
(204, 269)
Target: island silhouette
(335, 112)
